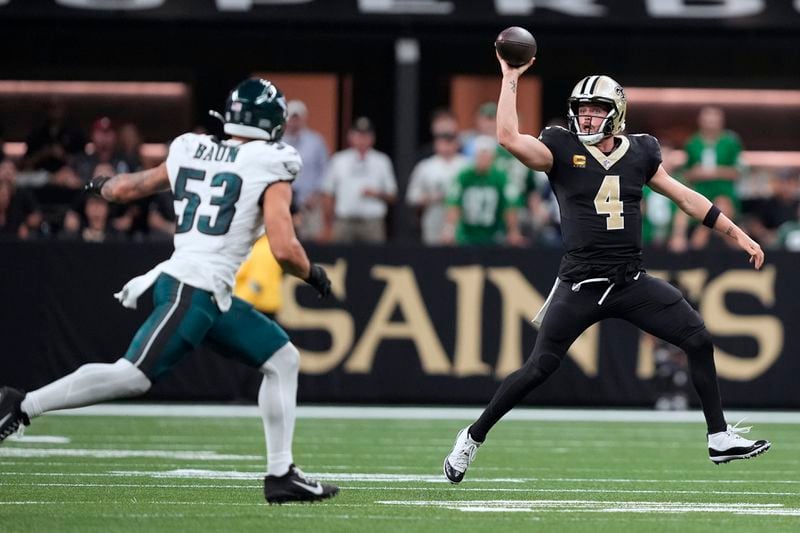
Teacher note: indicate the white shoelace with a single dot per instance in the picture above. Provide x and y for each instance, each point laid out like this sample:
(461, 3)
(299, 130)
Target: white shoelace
(736, 430)
(464, 457)
(734, 434)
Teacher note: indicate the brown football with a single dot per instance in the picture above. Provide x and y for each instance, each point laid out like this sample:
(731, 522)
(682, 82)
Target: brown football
(515, 45)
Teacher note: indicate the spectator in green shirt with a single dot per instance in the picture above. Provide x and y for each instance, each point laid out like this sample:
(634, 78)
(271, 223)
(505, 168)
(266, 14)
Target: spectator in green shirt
(712, 165)
(482, 202)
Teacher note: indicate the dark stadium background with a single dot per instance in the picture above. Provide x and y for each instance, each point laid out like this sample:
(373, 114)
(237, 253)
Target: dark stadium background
(209, 49)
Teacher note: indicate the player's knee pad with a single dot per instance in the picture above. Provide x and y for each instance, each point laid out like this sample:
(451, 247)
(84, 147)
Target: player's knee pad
(548, 363)
(130, 379)
(544, 364)
(699, 344)
(136, 382)
(286, 361)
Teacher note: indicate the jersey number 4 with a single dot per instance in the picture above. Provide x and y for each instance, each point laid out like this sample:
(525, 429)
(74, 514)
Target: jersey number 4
(607, 202)
(231, 187)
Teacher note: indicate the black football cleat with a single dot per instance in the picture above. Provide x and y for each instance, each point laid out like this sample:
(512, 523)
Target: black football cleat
(294, 486)
(10, 413)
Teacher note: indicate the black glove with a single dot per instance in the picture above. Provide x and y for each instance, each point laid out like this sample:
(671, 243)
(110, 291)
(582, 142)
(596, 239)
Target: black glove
(95, 185)
(319, 280)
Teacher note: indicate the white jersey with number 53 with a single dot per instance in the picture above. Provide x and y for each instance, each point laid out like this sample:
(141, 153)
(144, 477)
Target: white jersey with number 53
(218, 188)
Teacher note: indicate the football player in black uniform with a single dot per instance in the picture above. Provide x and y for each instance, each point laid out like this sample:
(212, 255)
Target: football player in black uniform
(597, 175)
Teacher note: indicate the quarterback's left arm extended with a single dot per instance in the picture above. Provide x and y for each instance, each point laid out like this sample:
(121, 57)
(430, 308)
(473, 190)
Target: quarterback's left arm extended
(128, 187)
(697, 206)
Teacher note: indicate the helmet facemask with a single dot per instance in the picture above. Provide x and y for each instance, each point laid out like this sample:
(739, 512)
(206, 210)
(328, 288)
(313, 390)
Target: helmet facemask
(602, 132)
(598, 90)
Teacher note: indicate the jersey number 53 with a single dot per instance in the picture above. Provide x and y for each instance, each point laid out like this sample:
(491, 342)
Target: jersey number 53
(230, 187)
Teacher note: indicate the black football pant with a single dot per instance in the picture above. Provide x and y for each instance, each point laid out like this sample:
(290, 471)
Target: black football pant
(649, 303)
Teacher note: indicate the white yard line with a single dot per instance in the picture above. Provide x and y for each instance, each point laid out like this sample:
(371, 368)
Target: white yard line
(107, 502)
(369, 477)
(39, 439)
(123, 454)
(593, 506)
(249, 487)
(426, 413)
(218, 475)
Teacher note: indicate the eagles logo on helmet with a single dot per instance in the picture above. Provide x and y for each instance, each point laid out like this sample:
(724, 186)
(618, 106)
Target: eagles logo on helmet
(602, 90)
(255, 109)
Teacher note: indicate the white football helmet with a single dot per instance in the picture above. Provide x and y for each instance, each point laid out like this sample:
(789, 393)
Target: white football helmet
(599, 90)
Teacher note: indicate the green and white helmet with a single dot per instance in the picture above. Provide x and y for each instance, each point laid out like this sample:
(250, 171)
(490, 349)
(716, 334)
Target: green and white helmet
(256, 109)
(597, 90)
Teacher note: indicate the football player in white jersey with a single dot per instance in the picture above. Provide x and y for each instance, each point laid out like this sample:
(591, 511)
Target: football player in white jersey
(226, 193)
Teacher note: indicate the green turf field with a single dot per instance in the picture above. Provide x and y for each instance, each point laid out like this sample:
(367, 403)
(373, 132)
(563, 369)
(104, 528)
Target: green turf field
(98, 473)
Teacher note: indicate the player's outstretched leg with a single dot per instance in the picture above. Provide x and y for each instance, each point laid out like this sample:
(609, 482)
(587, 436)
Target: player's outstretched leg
(90, 384)
(11, 415)
(277, 400)
(462, 455)
(295, 486)
(567, 317)
(729, 445)
(659, 309)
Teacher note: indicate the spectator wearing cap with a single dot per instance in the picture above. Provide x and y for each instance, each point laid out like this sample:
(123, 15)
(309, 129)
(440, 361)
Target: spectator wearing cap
(102, 150)
(431, 178)
(485, 124)
(359, 186)
(308, 185)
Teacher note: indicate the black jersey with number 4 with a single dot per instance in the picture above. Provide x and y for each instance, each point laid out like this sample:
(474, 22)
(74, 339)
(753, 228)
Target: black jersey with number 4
(599, 196)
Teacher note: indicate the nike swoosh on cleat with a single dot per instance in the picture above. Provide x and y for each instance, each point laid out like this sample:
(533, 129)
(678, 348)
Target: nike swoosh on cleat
(313, 489)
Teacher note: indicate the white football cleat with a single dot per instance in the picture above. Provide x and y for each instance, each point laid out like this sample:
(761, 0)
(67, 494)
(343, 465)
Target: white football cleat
(729, 445)
(464, 450)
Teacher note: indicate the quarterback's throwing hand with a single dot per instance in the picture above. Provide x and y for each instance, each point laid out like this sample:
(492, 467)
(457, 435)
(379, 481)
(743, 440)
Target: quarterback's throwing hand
(319, 280)
(506, 68)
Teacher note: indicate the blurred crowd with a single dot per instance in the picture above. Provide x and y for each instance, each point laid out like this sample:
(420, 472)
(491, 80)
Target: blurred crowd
(464, 189)
(41, 194)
